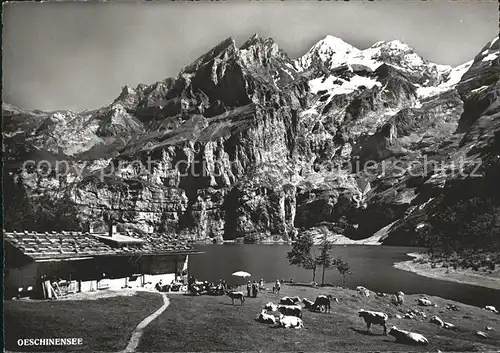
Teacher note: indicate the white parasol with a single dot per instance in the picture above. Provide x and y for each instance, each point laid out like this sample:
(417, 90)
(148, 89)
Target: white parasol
(241, 274)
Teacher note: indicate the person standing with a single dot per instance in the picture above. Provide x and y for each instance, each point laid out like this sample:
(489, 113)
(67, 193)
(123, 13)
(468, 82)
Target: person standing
(249, 288)
(261, 284)
(255, 289)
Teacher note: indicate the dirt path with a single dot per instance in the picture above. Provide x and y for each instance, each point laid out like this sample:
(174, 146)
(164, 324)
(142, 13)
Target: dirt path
(137, 334)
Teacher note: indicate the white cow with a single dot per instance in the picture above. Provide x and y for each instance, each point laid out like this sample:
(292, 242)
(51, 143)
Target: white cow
(424, 302)
(270, 306)
(491, 308)
(481, 334)
(266, 318)
(290, 321)
(407, 337)
(436, 320)
(363, 291)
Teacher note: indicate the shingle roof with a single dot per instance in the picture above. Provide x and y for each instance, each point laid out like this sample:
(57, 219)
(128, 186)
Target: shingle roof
(60, 245)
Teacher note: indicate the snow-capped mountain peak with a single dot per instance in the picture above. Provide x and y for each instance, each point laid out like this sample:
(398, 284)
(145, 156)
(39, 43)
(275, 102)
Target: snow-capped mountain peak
(330, 51)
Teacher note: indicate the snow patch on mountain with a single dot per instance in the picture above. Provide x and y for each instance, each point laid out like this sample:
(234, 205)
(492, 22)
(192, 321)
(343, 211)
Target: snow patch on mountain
(336, 85)
(490, 57)
(454, 77)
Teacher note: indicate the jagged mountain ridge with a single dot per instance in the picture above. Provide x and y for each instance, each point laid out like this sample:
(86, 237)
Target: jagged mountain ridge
(275, 139)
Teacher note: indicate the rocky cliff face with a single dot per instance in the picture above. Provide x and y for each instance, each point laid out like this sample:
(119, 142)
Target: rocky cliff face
(246, 142)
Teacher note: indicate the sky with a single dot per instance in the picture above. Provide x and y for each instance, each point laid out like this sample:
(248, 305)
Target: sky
(77, 56)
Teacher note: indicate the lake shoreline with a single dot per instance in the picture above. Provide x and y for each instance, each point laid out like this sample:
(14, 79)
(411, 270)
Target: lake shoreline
(468, 276)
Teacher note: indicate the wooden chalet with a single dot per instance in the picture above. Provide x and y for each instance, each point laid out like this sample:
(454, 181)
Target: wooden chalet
(88, 261)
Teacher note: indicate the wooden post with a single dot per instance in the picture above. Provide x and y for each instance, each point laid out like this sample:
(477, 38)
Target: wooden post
(176, 259)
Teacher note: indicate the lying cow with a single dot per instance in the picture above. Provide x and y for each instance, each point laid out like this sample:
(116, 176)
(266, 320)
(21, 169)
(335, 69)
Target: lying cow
(407, 337)
(491, 308)
(236, 295)
(271, 307)
(290, 321)
(363, 291)
(436, 320)
(481, 334)
(424, 302)
(449, 326)
(290, 310)
(374, 317)
(289, 300)
(308, 304)
(324, 301)
(266, 318)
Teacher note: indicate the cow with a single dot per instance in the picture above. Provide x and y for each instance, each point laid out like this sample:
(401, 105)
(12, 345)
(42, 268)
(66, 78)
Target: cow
(424, 302)
(481, 334)
(271, 307)
(290, 321)
(491, 308)
(436, 320)
(323, 301)
(449, 326)
(363, 291)
(374, 317)
(266, 318)
(236, 295)
(308, 304)
(289, 300)
(407, 337)
(290, 310)
(400, 298)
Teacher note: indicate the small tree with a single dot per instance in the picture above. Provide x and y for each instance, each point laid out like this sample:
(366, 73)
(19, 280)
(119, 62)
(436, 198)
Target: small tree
(344, 270)
(325, 258)
(303, 255)
(311, 263)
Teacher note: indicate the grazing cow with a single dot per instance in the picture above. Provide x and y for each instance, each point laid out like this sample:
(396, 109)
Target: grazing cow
(491, 308)
(407, 337)
(324, 301)
(424, 302)
(290, 310)
(374, 317)
(308, 304)
(290, 321)
(271, 307)
(236, 295)
(436, 320)
(289, 300)
(266, 318)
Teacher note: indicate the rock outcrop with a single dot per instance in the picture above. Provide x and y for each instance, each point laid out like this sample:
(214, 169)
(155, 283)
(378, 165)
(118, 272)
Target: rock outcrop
(247, 143)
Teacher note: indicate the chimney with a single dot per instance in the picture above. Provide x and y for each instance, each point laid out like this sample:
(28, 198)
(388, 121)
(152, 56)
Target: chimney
(111, 229)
